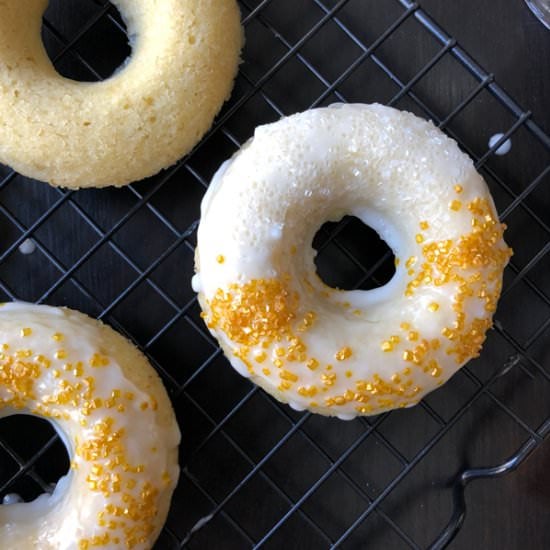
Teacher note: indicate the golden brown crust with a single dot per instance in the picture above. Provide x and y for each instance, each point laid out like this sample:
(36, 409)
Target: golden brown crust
(142, 119)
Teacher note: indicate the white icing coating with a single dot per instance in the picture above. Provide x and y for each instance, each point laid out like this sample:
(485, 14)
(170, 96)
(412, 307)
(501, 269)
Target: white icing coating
(240, 367)
(401, 176)
(55, 350)
(27, 247)
(11, 498)
(343, 416)
(502, 149)
(296, 406)
(196, 283)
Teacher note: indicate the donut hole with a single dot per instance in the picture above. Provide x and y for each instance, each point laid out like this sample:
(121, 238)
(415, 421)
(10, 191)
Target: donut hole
(84, 42)
(32, 459)
(352, 256)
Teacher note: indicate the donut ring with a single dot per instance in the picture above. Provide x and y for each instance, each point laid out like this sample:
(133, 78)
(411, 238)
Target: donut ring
(348, 353)
(114, 416)
(144, 118)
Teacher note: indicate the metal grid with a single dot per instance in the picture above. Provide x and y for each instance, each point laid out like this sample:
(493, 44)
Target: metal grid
(254, 472)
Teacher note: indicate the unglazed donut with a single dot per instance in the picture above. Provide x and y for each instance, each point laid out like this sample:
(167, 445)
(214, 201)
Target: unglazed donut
(114, 416)
(150, 113)
(348, 353)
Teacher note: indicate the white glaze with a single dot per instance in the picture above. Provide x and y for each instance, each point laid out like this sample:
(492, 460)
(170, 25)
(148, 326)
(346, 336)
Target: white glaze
(503, 149)
(27, 247)
(196, 283)
(11, 498)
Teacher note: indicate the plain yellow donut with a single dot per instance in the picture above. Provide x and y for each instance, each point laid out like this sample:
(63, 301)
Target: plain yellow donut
(144, 118)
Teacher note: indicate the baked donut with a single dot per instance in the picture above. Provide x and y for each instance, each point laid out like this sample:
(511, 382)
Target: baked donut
(348, 353)
(150, 113)
(113, 414)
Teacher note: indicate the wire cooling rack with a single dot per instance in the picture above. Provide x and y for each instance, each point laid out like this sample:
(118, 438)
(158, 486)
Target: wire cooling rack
(254, 472)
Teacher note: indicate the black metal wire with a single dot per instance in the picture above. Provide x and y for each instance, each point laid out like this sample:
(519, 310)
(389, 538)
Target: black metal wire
(372, 429)
(467, 476)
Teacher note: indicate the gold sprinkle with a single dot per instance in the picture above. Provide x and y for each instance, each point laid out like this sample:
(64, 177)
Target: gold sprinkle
(254, 312)
(308, 319)
(455, 205)
(25, 332)
(307, 391)
(458, 189)
(328, 379)
(349, 374)
(434, 306)
(419, 238)
(97, 360)
(266, 371)
(287, 375)
(410, 262)
(312, 363)
(60, 354)
(343, 354)
(220, 259)
(386, 346)
(58, 337)
(405, 326)
(424, 225)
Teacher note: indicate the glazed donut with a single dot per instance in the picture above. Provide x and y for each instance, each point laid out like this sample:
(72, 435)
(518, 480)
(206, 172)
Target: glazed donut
(111, 411)
(150, 113)
(348, 353)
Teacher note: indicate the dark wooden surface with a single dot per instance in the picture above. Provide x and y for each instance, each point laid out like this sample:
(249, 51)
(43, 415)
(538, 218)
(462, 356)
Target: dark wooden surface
(507, 39)
(512, 512)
